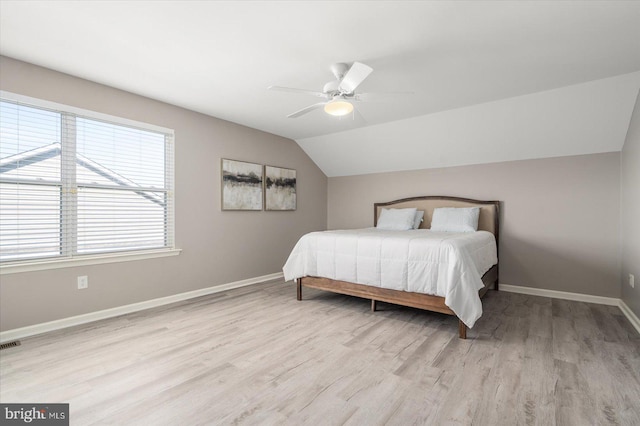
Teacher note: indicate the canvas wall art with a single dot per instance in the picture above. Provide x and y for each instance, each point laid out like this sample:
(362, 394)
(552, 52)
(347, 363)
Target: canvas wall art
(241, 185)
(280, 188)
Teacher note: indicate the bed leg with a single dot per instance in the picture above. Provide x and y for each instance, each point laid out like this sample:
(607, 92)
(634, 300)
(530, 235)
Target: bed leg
(299, 288)
(373, 305)
(462, 329)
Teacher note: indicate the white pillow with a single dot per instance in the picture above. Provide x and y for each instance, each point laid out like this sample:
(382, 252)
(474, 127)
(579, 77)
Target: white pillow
(396, 219)
(449, 219)
(418, 219)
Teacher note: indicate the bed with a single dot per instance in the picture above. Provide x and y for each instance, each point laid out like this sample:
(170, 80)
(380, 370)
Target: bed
(453, 282)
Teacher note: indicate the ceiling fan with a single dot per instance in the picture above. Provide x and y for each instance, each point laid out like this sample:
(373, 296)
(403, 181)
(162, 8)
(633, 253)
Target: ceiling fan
(339, 93)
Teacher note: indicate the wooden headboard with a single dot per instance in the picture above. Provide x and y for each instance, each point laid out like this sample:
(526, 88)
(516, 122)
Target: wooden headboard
(489, 210)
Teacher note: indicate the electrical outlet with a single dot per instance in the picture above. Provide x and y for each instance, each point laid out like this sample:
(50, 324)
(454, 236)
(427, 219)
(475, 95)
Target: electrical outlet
(631, 280)
(83, 282)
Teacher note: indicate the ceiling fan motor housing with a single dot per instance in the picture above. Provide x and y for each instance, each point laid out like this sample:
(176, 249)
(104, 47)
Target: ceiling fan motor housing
(339, 70)
(331, 87)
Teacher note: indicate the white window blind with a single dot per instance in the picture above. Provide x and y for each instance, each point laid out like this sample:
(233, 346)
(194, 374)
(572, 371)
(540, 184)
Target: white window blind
(72, 184)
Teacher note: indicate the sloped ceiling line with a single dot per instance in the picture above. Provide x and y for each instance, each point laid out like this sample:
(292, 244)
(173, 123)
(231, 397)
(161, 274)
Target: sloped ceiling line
(581, 119)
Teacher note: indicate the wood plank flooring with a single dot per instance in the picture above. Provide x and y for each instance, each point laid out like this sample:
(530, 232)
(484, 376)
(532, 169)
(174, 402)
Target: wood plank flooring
(256, 355)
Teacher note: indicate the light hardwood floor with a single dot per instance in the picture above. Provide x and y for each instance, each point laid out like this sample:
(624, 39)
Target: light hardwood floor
(256, 355)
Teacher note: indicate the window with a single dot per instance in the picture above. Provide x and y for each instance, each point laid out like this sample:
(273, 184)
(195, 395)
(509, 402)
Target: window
(75, 183)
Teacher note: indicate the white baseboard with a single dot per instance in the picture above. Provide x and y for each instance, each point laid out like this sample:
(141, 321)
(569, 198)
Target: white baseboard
(631, 316)
(32, 330)
(554, 294)
(611, 301)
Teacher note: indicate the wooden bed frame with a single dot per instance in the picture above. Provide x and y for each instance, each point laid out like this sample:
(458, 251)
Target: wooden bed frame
(489, 221)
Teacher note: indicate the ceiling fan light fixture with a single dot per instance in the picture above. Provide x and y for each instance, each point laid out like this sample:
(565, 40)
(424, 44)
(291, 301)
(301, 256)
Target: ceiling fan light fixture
(338, 108)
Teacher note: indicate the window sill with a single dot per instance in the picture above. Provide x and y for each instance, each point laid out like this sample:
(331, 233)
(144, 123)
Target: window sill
(98, 259)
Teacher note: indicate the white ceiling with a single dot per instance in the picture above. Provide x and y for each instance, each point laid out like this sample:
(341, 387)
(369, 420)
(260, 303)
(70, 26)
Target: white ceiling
(587, 118)
(218, 58)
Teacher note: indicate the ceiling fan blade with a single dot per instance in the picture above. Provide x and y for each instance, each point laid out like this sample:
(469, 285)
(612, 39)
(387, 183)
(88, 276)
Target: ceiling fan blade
(356, 75)
(302, 91)
(303, 111)
(378, 96)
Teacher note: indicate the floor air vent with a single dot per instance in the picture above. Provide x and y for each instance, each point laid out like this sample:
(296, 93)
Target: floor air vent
(10, 344)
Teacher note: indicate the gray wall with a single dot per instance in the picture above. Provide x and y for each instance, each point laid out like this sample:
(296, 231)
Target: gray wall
(630, 212)
(560, 218)
(218, 247)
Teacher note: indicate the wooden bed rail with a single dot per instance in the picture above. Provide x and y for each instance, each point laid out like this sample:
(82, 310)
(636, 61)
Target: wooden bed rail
(403, 298)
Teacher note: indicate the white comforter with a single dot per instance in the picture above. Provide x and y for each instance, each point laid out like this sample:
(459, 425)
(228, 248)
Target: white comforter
(444, 264)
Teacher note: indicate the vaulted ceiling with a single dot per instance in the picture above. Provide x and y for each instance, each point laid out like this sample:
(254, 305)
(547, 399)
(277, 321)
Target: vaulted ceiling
(491, 81)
